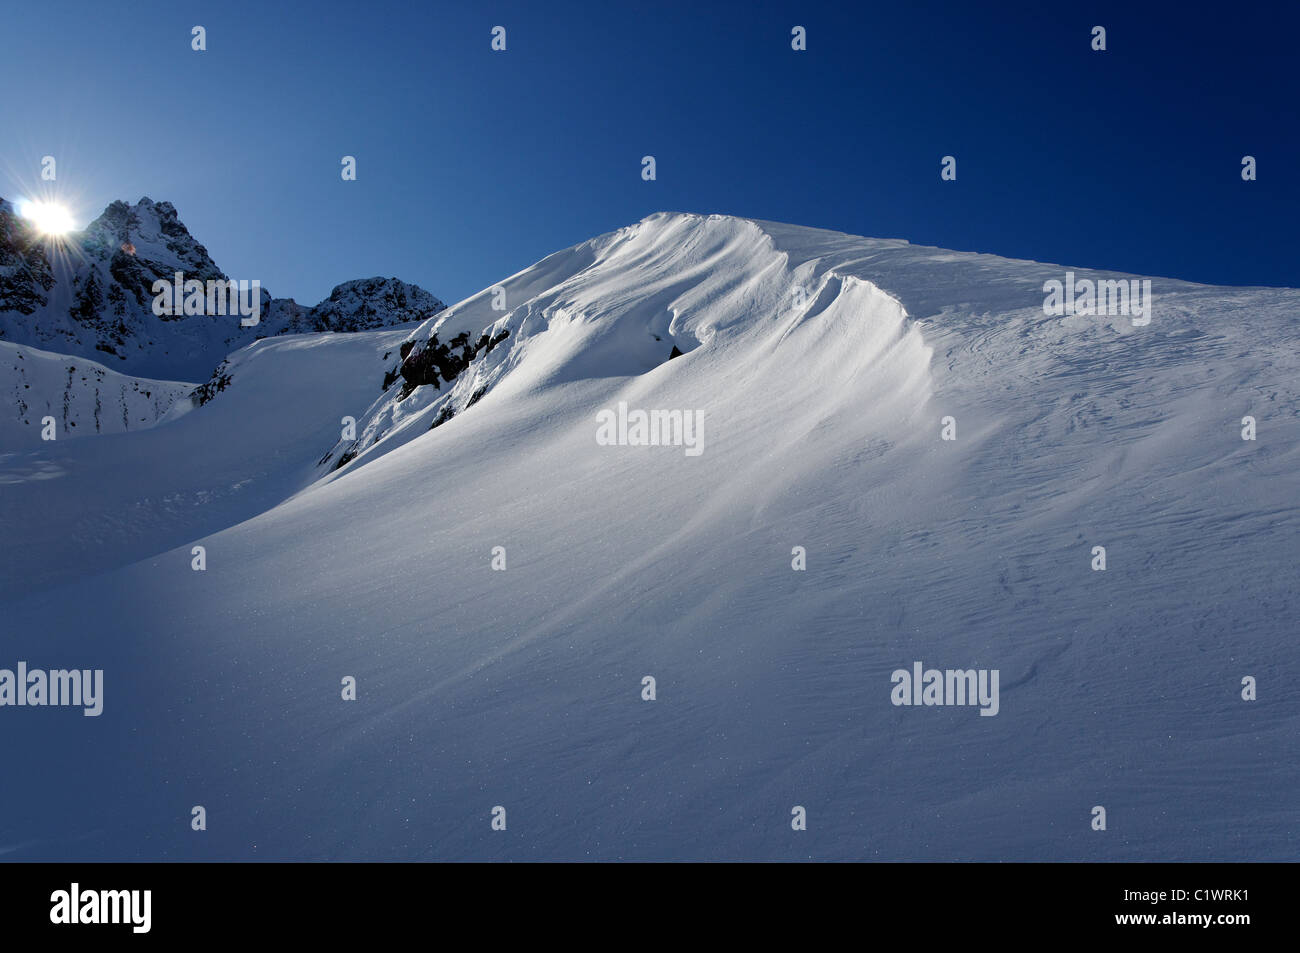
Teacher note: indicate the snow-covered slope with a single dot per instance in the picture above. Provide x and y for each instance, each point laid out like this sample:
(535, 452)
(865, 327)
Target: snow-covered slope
(90, 294)
(823, 366)
(82, 396)
(94, 504)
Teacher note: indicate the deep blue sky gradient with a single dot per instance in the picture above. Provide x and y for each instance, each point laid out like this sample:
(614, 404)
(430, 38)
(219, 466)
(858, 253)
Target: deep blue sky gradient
(474, 164)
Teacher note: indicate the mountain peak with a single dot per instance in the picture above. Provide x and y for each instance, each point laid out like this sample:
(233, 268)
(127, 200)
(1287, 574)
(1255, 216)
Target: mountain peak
(96, 301)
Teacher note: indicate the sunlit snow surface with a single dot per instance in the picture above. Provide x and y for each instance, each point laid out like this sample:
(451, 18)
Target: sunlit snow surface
(522, 688)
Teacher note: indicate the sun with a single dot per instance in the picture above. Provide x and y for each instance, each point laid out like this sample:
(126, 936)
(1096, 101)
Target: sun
(50, 218)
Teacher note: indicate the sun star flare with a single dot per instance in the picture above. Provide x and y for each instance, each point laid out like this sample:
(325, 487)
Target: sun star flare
(50, 218)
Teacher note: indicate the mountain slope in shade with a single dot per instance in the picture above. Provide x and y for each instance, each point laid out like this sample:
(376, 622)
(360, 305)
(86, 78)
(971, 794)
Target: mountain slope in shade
(822, 412)
(94, 504)
(83, 397)
(90, 294)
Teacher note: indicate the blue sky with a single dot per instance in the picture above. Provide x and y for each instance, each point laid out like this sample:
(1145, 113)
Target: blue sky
(473, 164)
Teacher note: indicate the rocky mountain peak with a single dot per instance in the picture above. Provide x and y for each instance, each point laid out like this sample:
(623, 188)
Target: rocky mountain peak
(96, 300)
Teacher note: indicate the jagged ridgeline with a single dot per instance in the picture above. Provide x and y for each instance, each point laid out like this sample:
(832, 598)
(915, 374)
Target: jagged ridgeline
(90, 294)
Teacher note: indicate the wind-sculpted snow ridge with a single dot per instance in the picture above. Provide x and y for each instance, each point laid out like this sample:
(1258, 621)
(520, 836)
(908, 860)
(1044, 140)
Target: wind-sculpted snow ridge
(501, 585)
(624, 304)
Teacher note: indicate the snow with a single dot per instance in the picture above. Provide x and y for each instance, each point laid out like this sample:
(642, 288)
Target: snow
(83, 397)
(99, 299)
(96, 504)
(522, 688)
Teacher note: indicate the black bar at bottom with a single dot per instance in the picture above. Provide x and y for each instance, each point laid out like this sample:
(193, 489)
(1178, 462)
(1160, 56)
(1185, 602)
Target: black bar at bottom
(937, 902)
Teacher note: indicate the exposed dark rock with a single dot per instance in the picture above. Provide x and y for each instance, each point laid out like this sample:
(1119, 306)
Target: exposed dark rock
(88, 299)
(445, 413)
(349, 455)
(108, 286)
(219, 381)
(25, 275)
(486, 343)
(434, 362)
